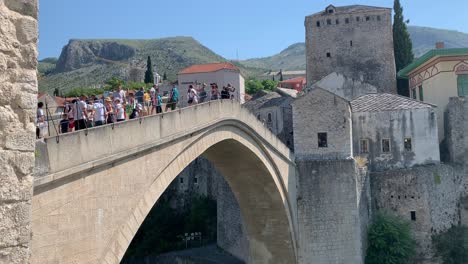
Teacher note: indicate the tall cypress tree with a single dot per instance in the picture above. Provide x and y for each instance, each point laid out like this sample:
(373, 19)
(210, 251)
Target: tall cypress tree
(403, 46)
(149, 75)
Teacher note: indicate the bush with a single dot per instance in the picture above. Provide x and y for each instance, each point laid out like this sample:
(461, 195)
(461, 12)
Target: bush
(452, 245)
(253, 86)
(390, 241)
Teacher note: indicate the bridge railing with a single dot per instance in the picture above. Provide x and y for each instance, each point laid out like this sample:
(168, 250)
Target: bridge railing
(67, 152)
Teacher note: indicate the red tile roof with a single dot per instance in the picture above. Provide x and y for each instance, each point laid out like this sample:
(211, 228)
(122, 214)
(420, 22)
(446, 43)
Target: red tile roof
(211, 67)
(295, 80)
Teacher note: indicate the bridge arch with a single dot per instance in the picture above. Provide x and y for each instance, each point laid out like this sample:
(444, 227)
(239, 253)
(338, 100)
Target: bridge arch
(260, 173)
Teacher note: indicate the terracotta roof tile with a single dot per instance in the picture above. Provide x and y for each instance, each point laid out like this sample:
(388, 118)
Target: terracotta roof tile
(211, 67)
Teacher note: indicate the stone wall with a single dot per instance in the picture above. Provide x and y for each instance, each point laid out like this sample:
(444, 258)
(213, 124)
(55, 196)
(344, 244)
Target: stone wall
(360, 49)
(419, 125)
(432, 192)
(333, 212)
(18, 98)
(456, 127)
(320, 111)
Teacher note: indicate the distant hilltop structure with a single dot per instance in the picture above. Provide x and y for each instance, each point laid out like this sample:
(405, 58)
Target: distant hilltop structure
(356, 41)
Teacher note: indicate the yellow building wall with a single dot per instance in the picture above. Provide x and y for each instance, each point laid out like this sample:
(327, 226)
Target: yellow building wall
(438, 89)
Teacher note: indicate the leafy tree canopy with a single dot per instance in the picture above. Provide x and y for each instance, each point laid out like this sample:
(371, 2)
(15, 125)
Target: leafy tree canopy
(390, 241)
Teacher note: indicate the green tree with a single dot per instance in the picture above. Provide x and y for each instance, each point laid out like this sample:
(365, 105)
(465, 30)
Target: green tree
(452, 245)
(114, 82)
(164, 76)
(269, 85)
(253, 86)
(149, 74)
(390, 241)
(56, 92)
(402, 44)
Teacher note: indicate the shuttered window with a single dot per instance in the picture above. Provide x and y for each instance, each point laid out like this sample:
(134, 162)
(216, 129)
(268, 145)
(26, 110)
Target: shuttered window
(462, 83)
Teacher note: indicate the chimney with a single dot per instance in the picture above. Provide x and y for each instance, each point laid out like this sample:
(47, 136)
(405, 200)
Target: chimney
(440, 45)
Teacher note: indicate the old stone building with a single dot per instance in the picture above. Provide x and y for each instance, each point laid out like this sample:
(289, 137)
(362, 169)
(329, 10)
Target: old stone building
(274, 109)
(322, 126)
(344, 87)
(355, 41)
(394, 132)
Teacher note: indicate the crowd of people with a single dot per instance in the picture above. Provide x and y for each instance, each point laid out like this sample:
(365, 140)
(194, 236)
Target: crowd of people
(85, 112)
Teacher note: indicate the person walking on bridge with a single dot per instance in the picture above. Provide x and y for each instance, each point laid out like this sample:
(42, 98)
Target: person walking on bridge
(173, 98)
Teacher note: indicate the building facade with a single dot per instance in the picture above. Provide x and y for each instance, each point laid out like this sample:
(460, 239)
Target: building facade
(322, 126)
(275, 111)
(356, 41)
(394, 132)
(281, 75)
(437, 76)
(297, 84)
(220, 73)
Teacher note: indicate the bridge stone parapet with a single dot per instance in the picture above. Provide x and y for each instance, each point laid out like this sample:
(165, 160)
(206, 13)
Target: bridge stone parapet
(94, 188)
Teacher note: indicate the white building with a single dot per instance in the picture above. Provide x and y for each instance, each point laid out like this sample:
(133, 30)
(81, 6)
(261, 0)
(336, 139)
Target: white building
(220, 73)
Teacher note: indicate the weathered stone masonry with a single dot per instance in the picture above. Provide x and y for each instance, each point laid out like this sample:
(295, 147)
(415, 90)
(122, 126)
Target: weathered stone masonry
(18, 95)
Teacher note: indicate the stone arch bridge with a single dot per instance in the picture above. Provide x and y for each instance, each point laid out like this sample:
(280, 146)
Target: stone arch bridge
(94, 188)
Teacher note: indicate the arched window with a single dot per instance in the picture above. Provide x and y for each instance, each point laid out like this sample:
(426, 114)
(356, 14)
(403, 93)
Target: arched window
(269, 119)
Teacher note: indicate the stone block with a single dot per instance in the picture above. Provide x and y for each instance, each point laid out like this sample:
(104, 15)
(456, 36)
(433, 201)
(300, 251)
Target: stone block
(26, 30)
(25, 7)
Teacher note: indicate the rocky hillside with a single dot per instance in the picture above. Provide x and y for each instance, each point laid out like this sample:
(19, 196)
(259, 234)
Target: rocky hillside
(292, 58)
(424, 39)
(87, 63)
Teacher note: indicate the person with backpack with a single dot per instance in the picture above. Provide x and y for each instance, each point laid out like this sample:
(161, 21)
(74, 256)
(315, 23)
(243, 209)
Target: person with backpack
(157, 102)
(173, 98)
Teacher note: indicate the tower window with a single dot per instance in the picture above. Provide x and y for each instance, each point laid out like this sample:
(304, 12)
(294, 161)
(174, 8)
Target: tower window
(318, 23)
(328, 55)
(378, 18)
(413, 215)
(367, 18)
(408, 144)
(181, 179)
(269, 119)
(328, 21)
(195, 180)
(322, 140)
(330, 11)
(346, 20)
(337, 21)
(351, 43)
(357, 19)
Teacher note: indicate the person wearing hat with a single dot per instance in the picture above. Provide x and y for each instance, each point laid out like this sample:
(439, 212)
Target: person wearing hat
(119, 110)
(110, 116)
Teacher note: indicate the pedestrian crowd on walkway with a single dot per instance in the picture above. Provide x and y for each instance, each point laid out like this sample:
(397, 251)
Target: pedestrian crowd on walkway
(85, 112)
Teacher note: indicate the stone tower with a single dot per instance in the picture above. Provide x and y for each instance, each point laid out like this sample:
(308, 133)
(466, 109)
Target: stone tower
(356, 41)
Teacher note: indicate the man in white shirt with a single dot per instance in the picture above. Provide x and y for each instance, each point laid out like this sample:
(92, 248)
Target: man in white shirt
(99, 113)
(79, 113)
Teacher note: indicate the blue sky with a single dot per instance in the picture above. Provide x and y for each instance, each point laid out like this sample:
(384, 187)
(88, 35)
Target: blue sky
(254, 28)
